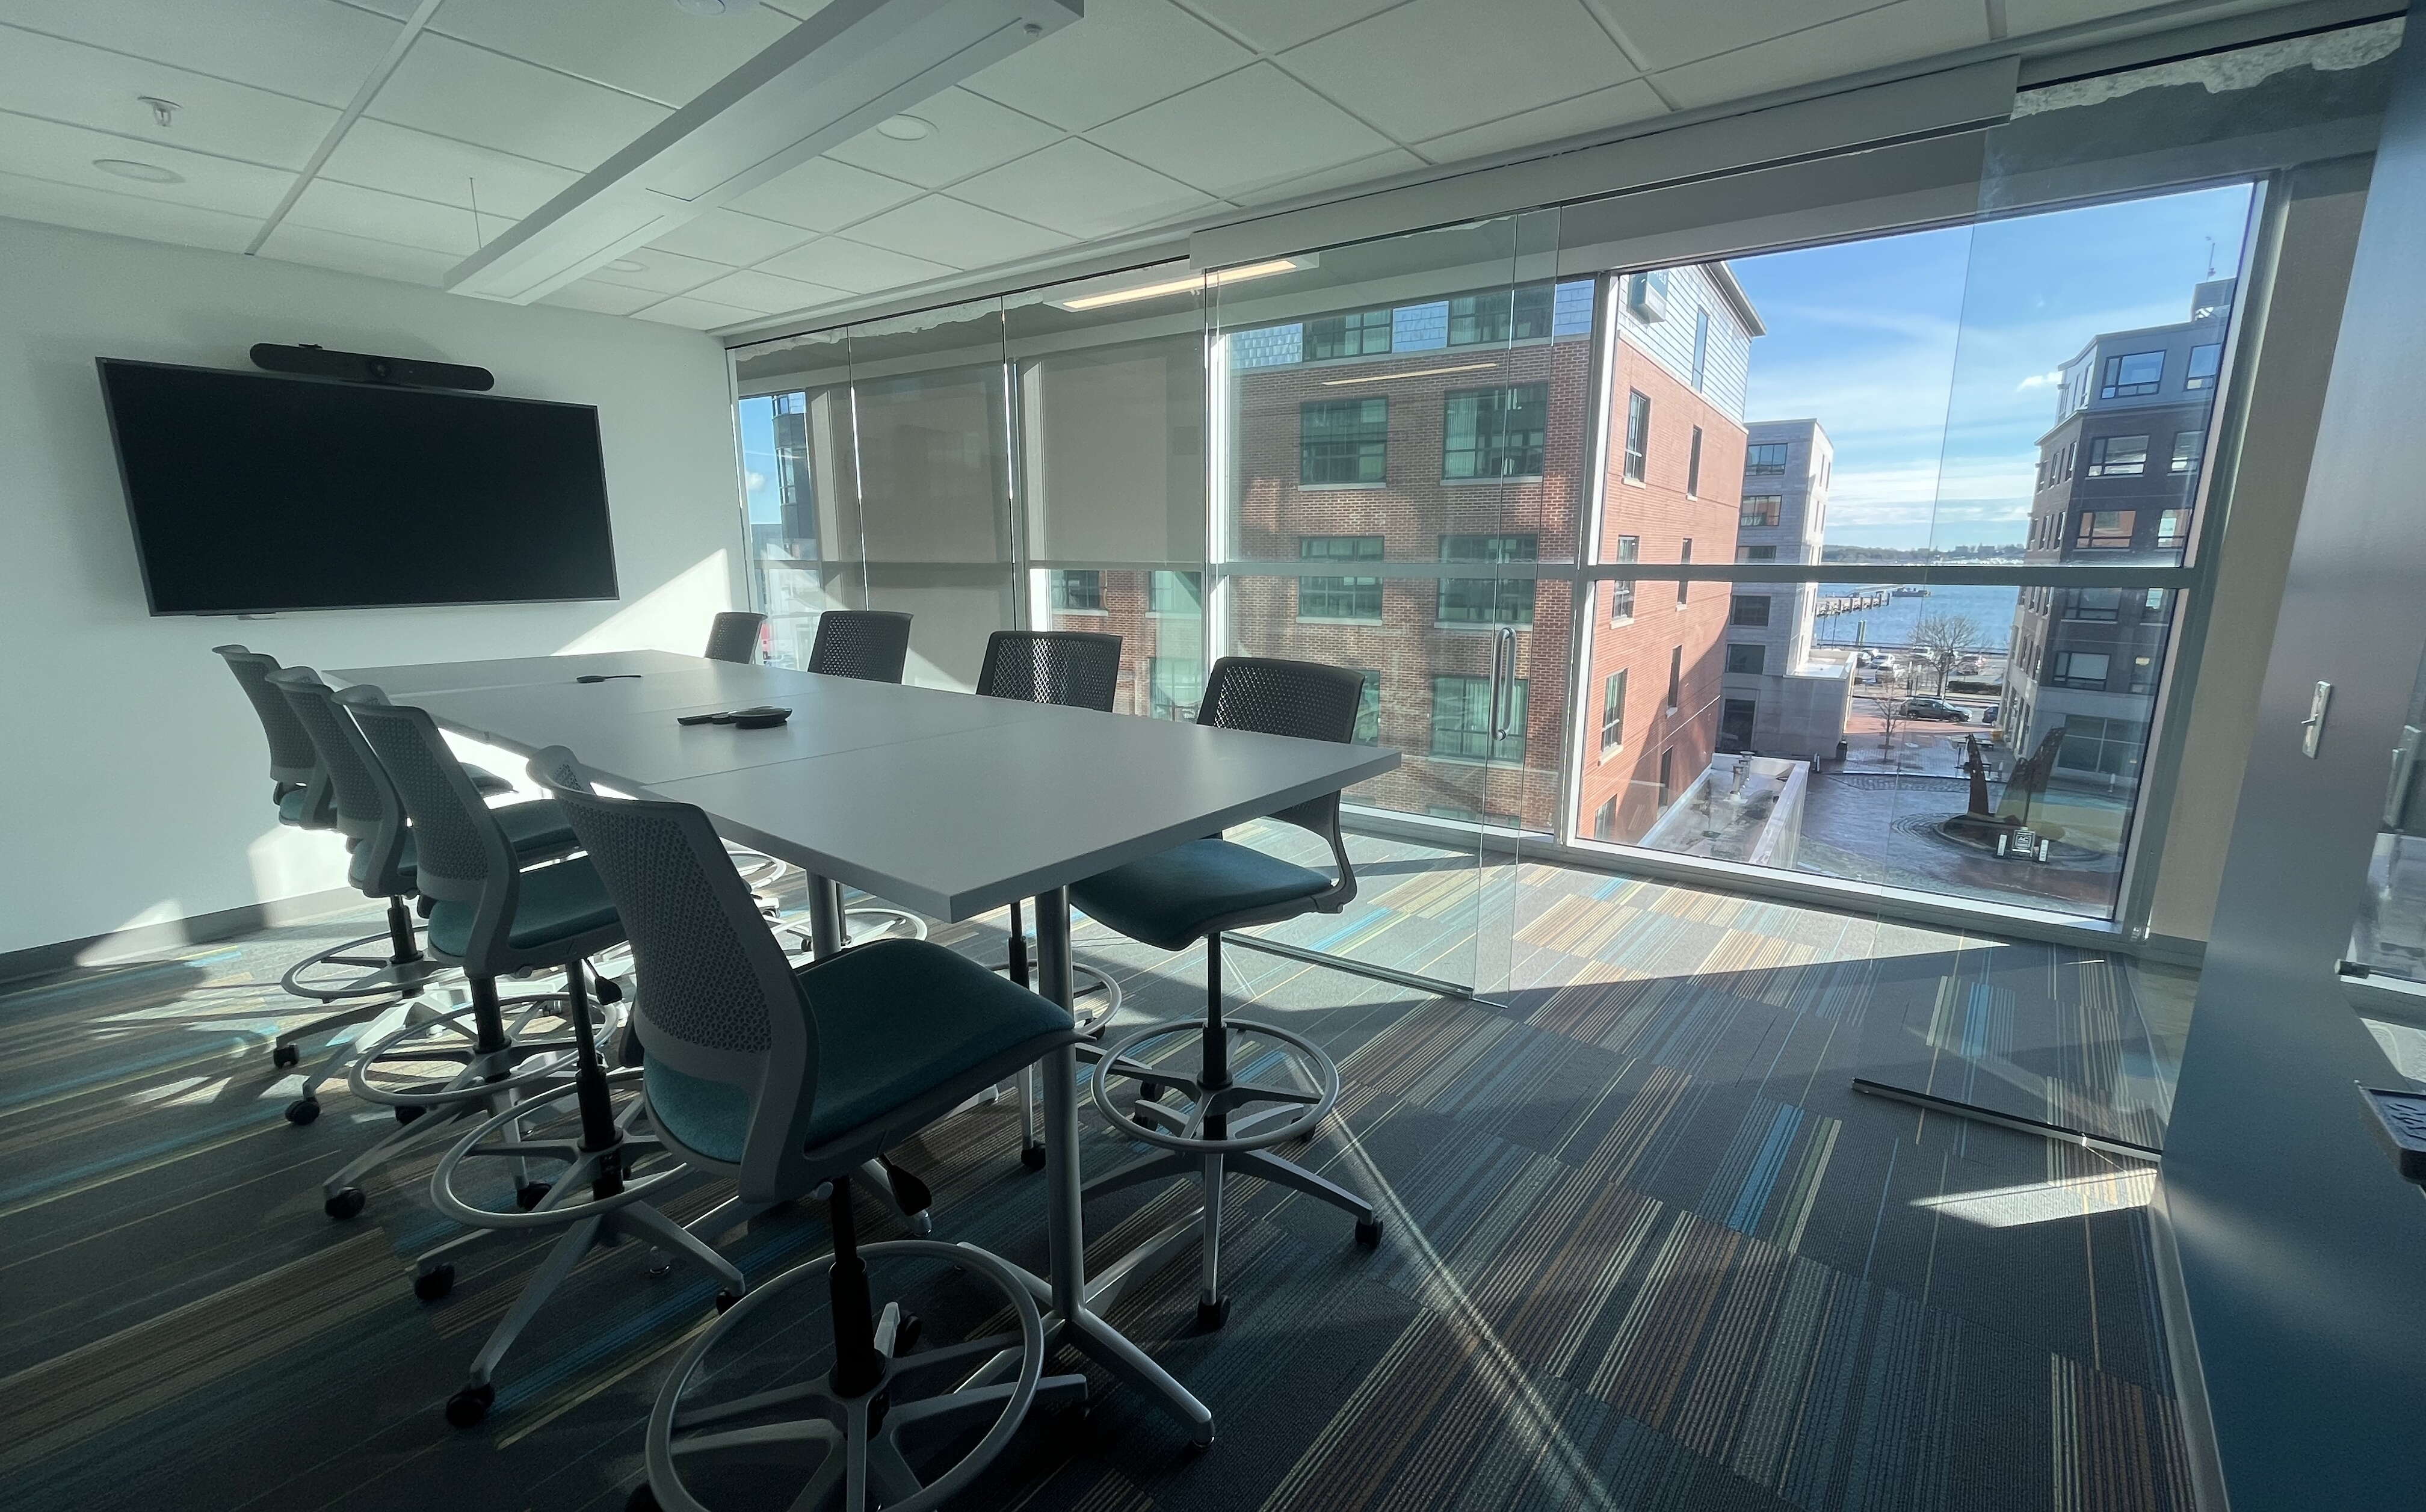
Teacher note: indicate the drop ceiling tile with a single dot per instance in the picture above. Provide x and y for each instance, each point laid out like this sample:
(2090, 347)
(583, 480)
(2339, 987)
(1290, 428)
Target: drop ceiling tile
(454, 89)
(379, 155)
(972, 134)
(1078, 187)
(824, 195)
(698, 314)
(1363, 170)
(1276, 25)
(764, 294)
(377, 216)
(732, 238)
(89, 87)
(944, 230)
(291, 242)
(124, 215)
(2023, 17)
(1256, 126)
(1122, 54)
(600, 299)
(1436, 65)
(1890, 34)
(840, 263)
(312, 49)
(1634, 100)
(663, 272)
(65, 155)
(647, 47)
(1665, 35)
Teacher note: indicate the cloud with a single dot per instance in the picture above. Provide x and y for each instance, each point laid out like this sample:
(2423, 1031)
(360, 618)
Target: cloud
(2039, 381)
(755, 479)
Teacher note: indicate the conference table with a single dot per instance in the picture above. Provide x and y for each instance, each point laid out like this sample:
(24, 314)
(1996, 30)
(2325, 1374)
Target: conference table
(944, 803)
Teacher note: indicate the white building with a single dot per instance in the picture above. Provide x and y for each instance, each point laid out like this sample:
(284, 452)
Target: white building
(1778, 700)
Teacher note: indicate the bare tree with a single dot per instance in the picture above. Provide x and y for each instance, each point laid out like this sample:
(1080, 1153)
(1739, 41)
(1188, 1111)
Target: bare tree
(1946, 636)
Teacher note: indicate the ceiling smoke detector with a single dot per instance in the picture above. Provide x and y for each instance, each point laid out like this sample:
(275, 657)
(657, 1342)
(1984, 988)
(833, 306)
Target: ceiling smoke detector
(126, 167)
(905, 128)
(625, 264)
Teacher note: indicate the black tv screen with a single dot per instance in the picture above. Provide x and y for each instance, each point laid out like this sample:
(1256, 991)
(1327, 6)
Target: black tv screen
(252, 493)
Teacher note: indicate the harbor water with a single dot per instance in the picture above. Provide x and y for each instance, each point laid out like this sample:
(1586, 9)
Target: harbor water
(1891, 623)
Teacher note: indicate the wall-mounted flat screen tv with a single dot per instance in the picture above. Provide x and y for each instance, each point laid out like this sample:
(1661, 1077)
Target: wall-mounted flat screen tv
(252, 493)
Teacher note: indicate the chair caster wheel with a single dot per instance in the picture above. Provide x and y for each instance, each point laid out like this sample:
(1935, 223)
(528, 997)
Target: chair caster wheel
(606, 989)
(642, 1500)
(1210, 1316)
(1032, 1156)
(345, 1202)
(407, 1114)
(627, 1050)
(907, 1334)
(467, 1407)
(530, 1195)
(432, 1284)
(302, 1110)
(1368, 1233)
(285, 1056)
(725, 1297)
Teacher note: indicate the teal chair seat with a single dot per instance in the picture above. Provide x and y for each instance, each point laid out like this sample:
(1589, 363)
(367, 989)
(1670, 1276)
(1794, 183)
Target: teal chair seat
(559, 902)
(1168, 898)
(531, 829)
(895, 1018)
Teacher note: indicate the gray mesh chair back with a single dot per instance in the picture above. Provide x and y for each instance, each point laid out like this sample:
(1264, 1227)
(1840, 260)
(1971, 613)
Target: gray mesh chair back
(293, 759)
(460, 855)
(719, 1002)
(364, 806)
(1274, 697)
(734, 637)
(1078, 669)
(872, 645)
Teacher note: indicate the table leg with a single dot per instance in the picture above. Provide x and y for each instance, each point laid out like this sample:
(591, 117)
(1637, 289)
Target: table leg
(825, 917)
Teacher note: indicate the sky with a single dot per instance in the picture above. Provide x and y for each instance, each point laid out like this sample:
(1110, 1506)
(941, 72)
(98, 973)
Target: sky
(1929, 357)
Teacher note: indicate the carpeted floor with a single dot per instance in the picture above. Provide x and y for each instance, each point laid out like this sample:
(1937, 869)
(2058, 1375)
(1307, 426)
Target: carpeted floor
(1645, 1250)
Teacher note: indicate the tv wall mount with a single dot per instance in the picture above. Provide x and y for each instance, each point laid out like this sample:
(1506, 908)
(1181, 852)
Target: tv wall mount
(367, 367)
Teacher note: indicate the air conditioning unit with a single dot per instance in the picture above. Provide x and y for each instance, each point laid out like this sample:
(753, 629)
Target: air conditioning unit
(1646, 294)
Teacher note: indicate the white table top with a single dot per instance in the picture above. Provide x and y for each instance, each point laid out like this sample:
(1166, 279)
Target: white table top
(944, 803)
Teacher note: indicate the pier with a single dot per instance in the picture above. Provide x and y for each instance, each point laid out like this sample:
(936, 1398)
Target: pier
(1851, 602)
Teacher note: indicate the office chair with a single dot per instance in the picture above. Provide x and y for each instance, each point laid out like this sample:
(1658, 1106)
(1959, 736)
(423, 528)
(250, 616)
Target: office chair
(496, 916)
(301, 791)
(734, 637)
(1193, 891)
(786, 1079)
(1077, 670)
(873, 646)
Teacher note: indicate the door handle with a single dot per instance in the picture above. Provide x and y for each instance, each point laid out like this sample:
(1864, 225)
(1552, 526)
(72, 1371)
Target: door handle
(2312, 729)
(1503, 683)
(2405, 767)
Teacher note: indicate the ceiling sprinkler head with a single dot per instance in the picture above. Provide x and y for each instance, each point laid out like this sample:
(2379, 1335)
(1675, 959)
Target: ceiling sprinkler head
(163, 111)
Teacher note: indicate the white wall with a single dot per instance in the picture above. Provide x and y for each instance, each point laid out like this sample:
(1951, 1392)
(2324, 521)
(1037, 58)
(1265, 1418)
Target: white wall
(132, 777)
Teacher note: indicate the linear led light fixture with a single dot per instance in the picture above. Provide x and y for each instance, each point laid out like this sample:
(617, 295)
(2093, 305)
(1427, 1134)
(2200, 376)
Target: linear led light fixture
(1184, 285)
(1420, 371)
(835, 75)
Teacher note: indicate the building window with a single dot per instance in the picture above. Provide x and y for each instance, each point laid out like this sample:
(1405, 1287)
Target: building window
(1339, 598)
(2144, 674)
(1749, 659)
(1176, 686)
(2118, 455)
(2132, 374)
(2173, 529)
(1612, 712)
(2188, 446)
(1761, 510)
(1684, 586)
(1647, 293)
(1675, 679)
(1605, 821)
(1495, 432)
(2093, 604)
(1701, 347)
(1461, 720)
(2080, 669)
(2109, 745)
(2156, 607)
(1755, 553)
(1176, 593)
(1667, 775)
(1343, 441)
(2107, 530)
(1736, 717)
(1365, 334)
(1503, 314)
(1767, 459)
(1077, 590)
(1368, 708)
(1750, 609)
(1694, 466)
(1638, 434)
(1621, 590)
(1487, 600)
(2206, 363)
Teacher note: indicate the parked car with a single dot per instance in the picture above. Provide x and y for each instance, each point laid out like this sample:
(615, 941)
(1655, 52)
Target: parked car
(1880, 660)
(1967, 664)
(1933, 708)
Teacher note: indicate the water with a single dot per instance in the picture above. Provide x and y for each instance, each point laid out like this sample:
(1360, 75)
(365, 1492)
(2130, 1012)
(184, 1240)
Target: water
(1890, 624)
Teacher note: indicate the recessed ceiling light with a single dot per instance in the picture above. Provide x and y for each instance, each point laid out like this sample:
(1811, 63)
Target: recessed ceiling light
(625, 264)
(905, 128)
(126, 167)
